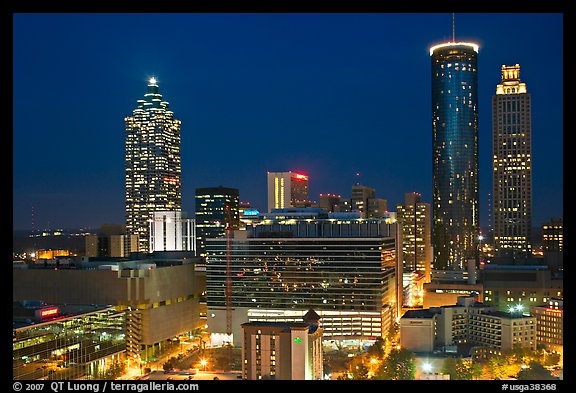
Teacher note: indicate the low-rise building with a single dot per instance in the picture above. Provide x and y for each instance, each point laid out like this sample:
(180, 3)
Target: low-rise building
(283, 350)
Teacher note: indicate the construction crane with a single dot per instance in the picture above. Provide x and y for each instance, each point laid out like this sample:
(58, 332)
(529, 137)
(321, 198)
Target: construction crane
(228, 288)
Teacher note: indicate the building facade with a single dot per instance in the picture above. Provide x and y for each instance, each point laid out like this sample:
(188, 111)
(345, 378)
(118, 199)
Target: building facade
(468, 323)
(414, 216)
(217, 209)
(553, 236)
(152, 163)
(282, 350)
(345, 271)
(455, 208)
(172, 231)
(160, 296)
(66, 342)
(550, 324)
(507, 286)
(512, 165)
(111, 241)
(287, 189)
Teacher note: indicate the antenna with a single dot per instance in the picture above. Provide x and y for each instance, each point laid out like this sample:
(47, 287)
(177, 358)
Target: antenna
(453, 33)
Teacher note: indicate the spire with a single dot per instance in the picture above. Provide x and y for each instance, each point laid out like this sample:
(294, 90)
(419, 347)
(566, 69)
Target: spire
(453, 31)
(153, 86)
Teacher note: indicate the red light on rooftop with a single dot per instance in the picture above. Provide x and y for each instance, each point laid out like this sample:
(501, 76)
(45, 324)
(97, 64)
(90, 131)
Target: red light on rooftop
(299, 176)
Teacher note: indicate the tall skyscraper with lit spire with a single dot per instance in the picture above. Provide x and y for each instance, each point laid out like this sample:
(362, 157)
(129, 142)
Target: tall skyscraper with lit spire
(512, 165)
(152, 163)
(455, 154)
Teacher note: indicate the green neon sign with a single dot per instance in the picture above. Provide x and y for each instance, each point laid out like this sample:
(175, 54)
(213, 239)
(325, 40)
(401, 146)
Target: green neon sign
(297, 340)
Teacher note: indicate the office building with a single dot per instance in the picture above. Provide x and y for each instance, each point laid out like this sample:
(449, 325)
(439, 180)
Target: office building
(152, 163)
(346, 270)
(111, 241)
(217, 209)
(359, 199)
(376, 207)
(553, 236)
(550, 324)
(67, 341)
(283, 350)
(512, 165)
(159, 294)
(287, 189)
(507, 286)
(172, 231)
(329, 202)
(455, 210)
(414, 216)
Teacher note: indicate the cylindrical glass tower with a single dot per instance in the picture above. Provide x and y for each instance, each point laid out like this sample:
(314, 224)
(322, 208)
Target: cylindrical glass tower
(455, 154)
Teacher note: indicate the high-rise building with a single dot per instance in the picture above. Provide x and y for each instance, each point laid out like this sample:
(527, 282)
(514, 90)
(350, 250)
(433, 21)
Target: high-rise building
(110, 241)
(172, 231)
(455, 154)
(414, 215)
(152, 163)
(346, 270)
(359, 198)
(287, 189)
(329, 202)
(376, 207)
(217, 208)
(512, 165)
(553, 236)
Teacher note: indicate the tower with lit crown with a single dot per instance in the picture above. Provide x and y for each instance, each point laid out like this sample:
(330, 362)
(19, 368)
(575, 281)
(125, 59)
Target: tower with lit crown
(455, 154)
(152, 163)
(512, 165)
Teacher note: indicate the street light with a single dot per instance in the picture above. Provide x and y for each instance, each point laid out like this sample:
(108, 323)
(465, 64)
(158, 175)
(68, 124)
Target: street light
(427, 367)
(373, 362)
(203, 363)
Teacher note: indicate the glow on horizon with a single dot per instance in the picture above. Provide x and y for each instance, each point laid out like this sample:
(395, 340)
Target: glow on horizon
(474, 46)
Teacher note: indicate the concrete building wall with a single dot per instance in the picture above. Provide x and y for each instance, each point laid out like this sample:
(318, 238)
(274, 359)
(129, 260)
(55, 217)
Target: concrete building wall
(417, 334)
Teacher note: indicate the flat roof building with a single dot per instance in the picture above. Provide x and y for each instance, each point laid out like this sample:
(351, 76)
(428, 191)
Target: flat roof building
(64, 342)
(283, 350)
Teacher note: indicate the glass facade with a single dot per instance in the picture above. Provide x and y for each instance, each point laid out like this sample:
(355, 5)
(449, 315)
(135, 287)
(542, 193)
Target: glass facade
(344, 274)
(512, 165)
(152, 163)
(83, 346)
(216, 207)
(455, 154)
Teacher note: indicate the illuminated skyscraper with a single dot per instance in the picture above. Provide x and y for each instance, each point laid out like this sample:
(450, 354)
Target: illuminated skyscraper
(287, 189)
(217, 208)
(455, 154)
(152, 163)
(414, 215)
(512, 165)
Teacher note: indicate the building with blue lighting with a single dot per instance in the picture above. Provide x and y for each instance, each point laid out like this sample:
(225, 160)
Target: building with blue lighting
(455, 154)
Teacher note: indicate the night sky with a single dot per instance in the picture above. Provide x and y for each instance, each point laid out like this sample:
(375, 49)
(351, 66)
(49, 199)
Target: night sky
(330, 95)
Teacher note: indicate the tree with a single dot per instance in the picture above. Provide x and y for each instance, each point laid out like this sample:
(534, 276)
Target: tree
(535, 371)
(360, 371)
(393, 330)
(496, 367)
(476, 370)
(400, 364)
(458, 369)
(551, 359)
(377, 349)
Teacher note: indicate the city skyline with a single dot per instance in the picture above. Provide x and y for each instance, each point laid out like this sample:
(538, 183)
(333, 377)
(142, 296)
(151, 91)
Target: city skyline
(328, 95)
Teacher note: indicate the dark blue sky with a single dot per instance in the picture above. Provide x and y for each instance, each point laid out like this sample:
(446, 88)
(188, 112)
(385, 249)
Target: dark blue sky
(327, 94)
